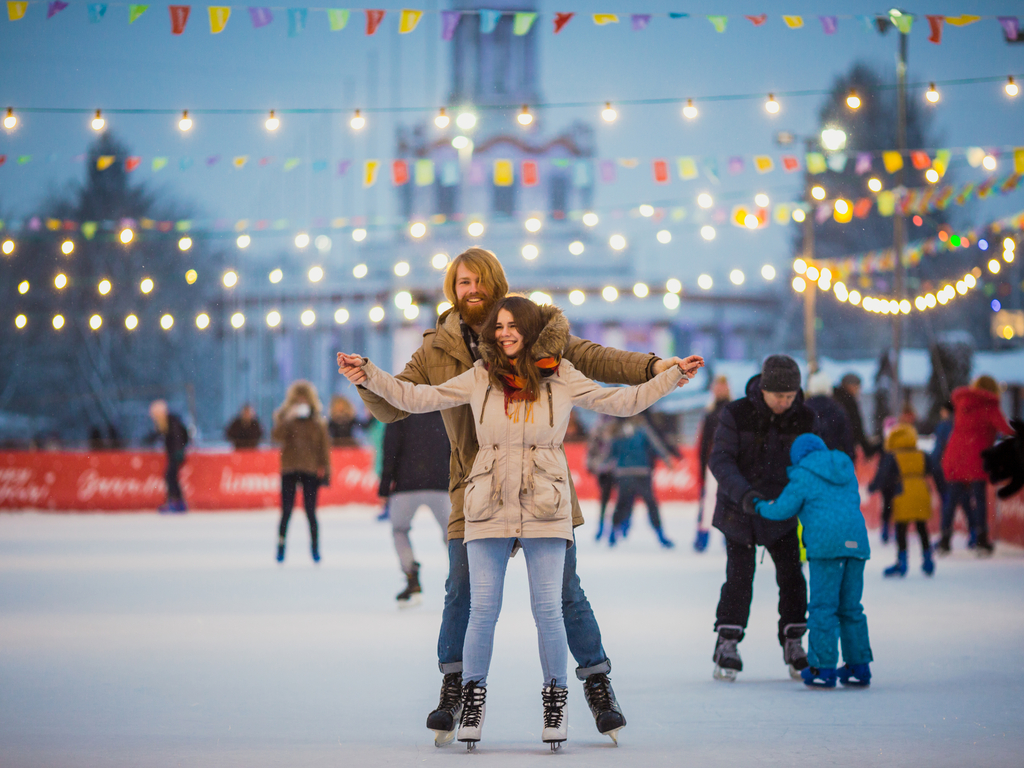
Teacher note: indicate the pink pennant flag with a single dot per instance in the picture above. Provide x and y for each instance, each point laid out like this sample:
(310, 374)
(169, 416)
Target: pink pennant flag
(863, 163)
(1011, 28)
(829, 24)
(608, 171)
(790, 163)
(735, 164)
(449, 21)
(660, 168)
(373, 20)
(54, 8)
(179, 17)
(343, 166)
(561, 19)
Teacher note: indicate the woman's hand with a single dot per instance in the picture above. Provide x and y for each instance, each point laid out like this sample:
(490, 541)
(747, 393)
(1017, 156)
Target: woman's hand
(688, 366)
(351, 367)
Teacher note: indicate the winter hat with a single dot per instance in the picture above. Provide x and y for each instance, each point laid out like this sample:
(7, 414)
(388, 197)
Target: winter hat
(780, 373)
(805, 444)
(818, 384)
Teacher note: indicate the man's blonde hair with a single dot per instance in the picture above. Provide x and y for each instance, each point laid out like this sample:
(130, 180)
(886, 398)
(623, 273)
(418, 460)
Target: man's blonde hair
(484, 265)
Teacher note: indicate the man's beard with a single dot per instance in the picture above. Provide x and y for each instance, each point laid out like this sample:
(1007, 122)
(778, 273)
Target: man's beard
(475, 314)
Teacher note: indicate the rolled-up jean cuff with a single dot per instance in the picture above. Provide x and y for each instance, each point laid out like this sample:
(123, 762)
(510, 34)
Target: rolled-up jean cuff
(604, 668)
(451, 666)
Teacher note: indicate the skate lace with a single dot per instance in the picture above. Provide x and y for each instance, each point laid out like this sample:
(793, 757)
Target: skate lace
(554, 705)
(727, 647)
(598, 693)
(794, 650)
(451, 692)
(473, 705)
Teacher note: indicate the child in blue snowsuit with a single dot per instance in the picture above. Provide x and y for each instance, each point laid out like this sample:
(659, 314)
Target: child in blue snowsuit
(822, 491)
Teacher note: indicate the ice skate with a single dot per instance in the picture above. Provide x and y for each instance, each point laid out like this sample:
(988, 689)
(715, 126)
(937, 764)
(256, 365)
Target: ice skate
(316, 553)
(280, 550)
(793, 652)
(412, 594)
(474, 707)
(556, 715)
(927, 563)
(701, 542)
(899, 568)
(727, 656)
(445, 719)
(601, 699)
(858, 675)
(819, 678)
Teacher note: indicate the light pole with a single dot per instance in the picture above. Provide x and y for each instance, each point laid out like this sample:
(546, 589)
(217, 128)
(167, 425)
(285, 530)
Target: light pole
(898, 221)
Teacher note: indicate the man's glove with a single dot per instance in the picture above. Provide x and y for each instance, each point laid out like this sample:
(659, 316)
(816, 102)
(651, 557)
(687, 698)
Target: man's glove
(749, 499)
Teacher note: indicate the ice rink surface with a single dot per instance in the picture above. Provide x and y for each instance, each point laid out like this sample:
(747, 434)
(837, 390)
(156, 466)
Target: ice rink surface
(147, 640)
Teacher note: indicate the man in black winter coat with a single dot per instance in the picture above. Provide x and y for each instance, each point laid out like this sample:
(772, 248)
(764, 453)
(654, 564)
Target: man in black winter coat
(172, 430)
(414, 473)
(749, 460)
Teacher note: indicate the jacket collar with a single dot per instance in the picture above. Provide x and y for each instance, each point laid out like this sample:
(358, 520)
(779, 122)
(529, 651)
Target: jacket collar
(448, 337)
(550, 343)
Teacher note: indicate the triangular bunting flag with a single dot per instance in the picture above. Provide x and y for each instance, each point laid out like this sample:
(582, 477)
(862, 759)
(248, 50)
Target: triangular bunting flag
(503, 174)
(660, 170)
(763, 163)
(212, 160)
(605, 18)
(719, 22)
(134, 11)
(686, 168)
(424, 173)
(131, 163)
(962, 21)
(337, 18)
(449, 21)
(607, 171)
(892, 161)
(793, 22)
(790, 163)
(104, 161)
(640, 21)
(292, 162)
(1010, 25)
(1018, 160)
(370, 168)
(89, 229)
(530, 177)
(343, 166)
(935, 25)
(240, 161)
(829, 24)
(522, 22)
(373, 19)
(920, 159)
(184, 163)
(488, 21)
(16, 10)
(736, 165)
(158, 163)
(757, 21)
(837, 162)
(399, 172)
(296, 21)
(863, 163)
(902, 22)
(179, 17)
(408, 20)
(55, 7)
(815, 162)
(561, 19)
(96, 12)
(219, 15)
(261, 17)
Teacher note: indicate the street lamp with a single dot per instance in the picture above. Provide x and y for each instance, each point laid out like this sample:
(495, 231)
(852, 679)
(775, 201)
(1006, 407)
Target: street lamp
(833, 139)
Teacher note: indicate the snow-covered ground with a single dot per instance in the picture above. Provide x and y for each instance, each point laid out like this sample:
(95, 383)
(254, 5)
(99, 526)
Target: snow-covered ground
(145, 640)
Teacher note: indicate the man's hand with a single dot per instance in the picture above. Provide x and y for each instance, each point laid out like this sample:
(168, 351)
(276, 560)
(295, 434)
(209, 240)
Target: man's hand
(351, 367)
(750, 499)
(689, 366)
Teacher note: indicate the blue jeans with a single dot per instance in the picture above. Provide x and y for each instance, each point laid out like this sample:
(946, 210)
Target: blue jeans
(972, 497)
(545, 563)
(835, 613)
(581, 630)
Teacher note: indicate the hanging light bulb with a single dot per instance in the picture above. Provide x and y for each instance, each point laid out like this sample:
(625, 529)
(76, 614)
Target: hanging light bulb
(466, 121)
(608, 113)
(442, 120)
(874, 185)
(989, 163)
(771, 105)
(98, 122)
(272, 122)
(689, 111)
(1010, 88)
(357, 122)
(186, 122)
(931, 175)
(525, 118)
(10, 120)
(932, 95)
(853, 100)
(818, 193)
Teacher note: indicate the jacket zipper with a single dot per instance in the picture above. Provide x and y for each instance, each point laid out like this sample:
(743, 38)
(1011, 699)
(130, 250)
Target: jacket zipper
(487, 393)
(551, 406)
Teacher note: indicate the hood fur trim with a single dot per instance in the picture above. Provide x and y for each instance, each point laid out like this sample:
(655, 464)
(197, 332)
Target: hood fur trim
(551, 342)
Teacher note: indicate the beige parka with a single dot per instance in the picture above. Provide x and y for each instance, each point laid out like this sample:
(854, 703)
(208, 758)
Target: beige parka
(518, 485)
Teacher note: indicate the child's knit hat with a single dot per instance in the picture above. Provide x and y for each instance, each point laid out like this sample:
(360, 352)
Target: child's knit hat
(805, 444)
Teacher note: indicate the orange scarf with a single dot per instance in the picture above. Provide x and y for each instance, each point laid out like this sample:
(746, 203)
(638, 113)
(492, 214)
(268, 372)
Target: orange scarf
(515, 392)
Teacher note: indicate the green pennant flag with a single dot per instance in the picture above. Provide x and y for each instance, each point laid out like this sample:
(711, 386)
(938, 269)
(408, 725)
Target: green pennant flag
(522, 22)
(719, 22)
(134, 11)
(338, 18)
(88, 229)
(902, 22)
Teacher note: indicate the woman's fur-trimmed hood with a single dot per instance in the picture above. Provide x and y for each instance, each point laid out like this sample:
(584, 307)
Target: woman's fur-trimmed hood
(551, 342)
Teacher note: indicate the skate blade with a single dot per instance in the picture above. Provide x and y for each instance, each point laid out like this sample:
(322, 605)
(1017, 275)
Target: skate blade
(728, 675)
(470, 746)
(443, 738)
(614, 735)
(555, 745)
(795, 673)
(412, 602)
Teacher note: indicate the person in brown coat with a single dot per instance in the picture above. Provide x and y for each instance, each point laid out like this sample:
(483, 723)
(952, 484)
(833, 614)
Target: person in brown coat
(305, 457)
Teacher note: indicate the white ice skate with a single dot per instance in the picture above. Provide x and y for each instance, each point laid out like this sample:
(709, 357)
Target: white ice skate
(474, 707)
(556, 715)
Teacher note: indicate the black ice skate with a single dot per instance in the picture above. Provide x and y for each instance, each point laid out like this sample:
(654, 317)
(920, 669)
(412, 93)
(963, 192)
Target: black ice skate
(601, 698)
(556, 715)
(793, 652)
(727, 656)
(412, 594)
(445, 719)
(474, 707)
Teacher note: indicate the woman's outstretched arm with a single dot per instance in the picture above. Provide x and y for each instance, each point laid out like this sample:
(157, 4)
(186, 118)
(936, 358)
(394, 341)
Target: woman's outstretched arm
(623, 401)
(414, 398)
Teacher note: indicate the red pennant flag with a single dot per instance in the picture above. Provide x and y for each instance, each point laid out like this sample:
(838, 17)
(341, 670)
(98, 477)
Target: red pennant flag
(399, 173)
(790, 163)
(660, 168)
(935, 22)
(529, 175)
(757, 21)
(131, 163)
(3, 159)
(179, 17)
(561, 19)
(373, 20)
(863, 207)
(920, 159)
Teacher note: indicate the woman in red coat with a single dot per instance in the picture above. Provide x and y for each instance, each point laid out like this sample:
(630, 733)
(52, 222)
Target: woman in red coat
(977, 421)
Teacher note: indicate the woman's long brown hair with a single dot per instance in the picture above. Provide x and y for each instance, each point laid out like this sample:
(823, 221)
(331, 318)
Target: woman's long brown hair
(529, 323)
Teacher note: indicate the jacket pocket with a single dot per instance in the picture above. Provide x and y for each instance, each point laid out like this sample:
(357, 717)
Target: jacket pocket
(548, 485)
(483, 494)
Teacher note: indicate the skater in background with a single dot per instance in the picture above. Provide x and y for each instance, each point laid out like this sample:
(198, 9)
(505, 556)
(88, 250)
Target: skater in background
(902, 475)
(749, 459)
(977, 421)
(833, 424)
(245, 431)
(847, 394)
(414, 474)
(632, 455)
(598, 446)
(823, 493)
(473, 283)
(941, 434)
(171, 429)
(305, 458)
(342, 422)
(708, 484)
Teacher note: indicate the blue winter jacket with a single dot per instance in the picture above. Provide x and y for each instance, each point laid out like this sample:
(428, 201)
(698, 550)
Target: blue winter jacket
(822, 491)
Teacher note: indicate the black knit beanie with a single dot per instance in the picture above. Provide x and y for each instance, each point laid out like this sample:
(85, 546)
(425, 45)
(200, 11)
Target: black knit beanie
(780, 373)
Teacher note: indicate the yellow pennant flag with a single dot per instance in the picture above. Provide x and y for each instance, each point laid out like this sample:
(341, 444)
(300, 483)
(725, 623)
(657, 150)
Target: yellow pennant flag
(370, 168)
(886, 203)
(793, 22)
(53, 224)
(782, 213)
(629, 162)
(963, 20)
(240, 161)
(763, 163)
(241, 225)
(15, 10)
(687, 168)
(104, 161)
(739, 216)
(892, 161)
(605, 18)
(408, 20)
(1018, 160)
(424, 173)
(219, 15)
(503, 173)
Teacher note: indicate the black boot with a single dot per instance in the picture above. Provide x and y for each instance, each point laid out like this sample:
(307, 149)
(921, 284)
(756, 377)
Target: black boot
(413, 585)
(280, 549)
(942, 546)
(608, 717)
(445, 719)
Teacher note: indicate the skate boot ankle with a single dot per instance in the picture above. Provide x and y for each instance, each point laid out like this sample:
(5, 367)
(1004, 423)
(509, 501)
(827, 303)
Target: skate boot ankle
(984, 546)
(727, 656)
(474, 707)
(885, 533)
(899, 568)
(663, 540)
(855, 675)
(405, 598)
(701, 542)
(280, 549)
(793, 652)
(942, 546)
(927, 564)
(608, 718)
(556, 715)
(315, 550)
(445, 719)
(819, 678)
